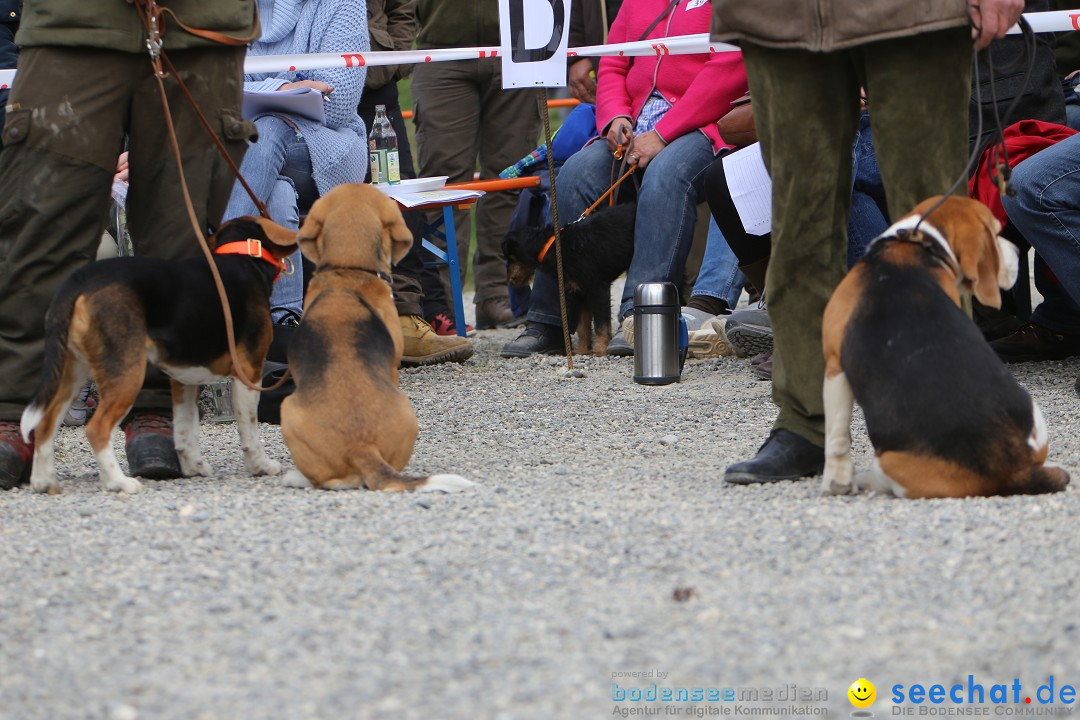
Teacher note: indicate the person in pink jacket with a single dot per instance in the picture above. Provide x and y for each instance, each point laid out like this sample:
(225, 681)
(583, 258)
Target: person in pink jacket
(668, 106)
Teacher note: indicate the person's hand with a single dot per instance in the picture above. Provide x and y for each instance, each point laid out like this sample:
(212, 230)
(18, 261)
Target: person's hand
(646, 147)
(582, 81)
(313, 84)
(993, 18)
(122, 167)
(619, 133)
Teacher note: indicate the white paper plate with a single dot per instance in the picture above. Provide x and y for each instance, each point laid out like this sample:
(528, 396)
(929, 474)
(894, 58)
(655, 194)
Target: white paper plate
(415, 185)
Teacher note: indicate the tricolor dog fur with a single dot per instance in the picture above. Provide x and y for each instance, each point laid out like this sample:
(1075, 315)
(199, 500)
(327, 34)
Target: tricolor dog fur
(112, 316)
(348, 424)
(945, 416)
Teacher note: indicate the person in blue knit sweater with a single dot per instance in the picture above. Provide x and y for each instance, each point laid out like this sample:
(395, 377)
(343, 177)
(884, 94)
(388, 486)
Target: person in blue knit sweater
(295, 160)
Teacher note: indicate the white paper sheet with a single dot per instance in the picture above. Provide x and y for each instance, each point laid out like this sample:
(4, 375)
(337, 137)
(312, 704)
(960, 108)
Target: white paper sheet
(435, 196)
(751, 188)
(305, 102)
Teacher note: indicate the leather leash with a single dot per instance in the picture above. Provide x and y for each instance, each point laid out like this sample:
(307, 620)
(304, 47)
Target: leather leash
(151, 17)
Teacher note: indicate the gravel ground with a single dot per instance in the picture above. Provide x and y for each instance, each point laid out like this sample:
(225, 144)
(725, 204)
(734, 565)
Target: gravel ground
(600, 539)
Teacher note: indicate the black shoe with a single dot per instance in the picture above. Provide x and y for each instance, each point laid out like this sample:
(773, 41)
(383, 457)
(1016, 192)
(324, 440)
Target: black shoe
(16, 456)
(784, 456)
(1035, 342)
(149, 446)
(536, 338)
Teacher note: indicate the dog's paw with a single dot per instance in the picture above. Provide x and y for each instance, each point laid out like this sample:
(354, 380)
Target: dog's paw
(831, 485)
(295, 479)
(128, 485)
(263, 466)
(44, 484)
(445, 484)
(198, 467)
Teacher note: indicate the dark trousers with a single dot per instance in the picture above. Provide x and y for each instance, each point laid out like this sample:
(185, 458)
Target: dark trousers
(463, 116)
(806, 108)
(61, 142)
(408, 287)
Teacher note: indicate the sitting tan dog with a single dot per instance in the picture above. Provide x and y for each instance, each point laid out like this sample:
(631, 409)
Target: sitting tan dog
(348, 424)
(945, 416)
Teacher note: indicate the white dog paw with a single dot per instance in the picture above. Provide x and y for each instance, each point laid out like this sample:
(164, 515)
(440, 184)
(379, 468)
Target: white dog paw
(263, 466)
(295, 479)
(48, 485)
(835, 486)
(445, 484)
(129, 485)
(199, 467)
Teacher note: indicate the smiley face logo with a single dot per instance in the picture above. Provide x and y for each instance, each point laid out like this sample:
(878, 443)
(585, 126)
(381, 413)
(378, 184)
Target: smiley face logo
(862, 693)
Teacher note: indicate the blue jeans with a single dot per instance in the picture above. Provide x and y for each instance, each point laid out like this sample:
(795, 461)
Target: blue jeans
(277, 167)
(666, 212)
(719, 276)
(869, 212)
(1046, 209)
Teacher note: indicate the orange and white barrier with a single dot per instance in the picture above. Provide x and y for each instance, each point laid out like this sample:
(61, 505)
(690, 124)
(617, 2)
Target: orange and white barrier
(1055, 21)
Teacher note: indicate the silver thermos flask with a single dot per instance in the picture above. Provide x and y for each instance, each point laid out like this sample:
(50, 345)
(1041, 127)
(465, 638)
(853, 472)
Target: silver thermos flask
(659, 334)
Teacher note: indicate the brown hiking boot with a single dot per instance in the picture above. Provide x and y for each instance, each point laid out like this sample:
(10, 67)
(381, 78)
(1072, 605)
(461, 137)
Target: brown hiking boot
(148, 442)
(423, 346)
(494, 313)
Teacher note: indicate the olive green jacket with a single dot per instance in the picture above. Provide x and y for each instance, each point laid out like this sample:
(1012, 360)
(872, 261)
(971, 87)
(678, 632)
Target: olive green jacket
(827, 25)
(114, 24)
(457, 23)
(392, 26)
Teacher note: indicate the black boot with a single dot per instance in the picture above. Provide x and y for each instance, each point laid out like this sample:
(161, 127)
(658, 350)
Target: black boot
(536, 338)
(784, 456)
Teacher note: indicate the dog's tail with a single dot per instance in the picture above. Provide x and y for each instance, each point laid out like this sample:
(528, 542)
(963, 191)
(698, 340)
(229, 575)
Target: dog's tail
(57, 324)
(1041, 479)
(372, 472)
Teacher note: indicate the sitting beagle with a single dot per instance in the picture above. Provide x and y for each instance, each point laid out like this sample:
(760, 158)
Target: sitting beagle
(112, 316)
(348, 424)
(945, 416)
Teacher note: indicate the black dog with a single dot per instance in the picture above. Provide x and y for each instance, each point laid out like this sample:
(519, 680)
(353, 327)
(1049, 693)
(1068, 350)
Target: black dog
(596, 250)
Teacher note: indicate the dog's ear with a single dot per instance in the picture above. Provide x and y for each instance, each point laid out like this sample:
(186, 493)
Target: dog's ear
(395, 231)
(280, 241)
(309, 238)
(973, 235)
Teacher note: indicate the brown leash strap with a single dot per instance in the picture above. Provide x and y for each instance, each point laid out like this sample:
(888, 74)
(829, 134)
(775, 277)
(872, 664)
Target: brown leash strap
(541, 100)
(218, 37)
(148, 9)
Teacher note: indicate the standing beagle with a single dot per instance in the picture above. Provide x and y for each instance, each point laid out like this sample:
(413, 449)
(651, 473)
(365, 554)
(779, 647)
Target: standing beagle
(945, 416)
(112, 316)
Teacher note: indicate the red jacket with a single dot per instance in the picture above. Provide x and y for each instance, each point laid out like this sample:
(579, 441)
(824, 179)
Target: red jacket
(1022, 139)
(700, 88)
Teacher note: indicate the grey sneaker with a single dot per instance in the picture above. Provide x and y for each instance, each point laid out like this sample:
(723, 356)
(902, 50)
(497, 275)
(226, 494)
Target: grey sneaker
(82, 407)
(695, 319)
(750, 331)
(618, 345)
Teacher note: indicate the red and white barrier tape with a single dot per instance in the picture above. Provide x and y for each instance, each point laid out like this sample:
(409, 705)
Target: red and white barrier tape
(1056, 21)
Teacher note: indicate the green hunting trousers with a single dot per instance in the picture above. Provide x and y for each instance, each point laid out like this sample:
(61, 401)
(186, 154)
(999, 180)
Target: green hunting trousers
(68, 115)
(806, 108)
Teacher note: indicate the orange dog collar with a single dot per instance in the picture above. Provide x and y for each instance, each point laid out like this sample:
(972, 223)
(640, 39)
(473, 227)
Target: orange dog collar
(544, 250)
(252, 248)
